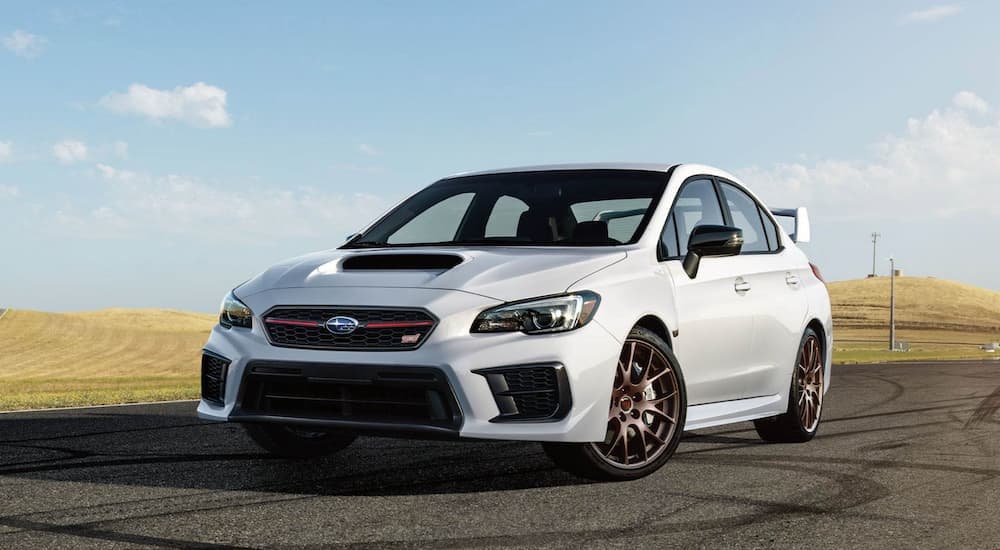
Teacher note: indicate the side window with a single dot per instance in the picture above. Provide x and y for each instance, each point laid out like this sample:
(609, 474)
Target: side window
(436, 224)
(504, 217)
(697, 204)
(746, 216)
(770, 230)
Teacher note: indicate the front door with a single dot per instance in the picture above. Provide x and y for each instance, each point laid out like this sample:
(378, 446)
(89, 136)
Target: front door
(715, 311)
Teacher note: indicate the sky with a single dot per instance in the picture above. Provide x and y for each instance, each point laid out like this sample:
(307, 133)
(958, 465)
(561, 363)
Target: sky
(157, 154)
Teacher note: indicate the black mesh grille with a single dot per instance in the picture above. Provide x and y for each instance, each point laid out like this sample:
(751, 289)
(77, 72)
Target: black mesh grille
(529, 392)
(537, 405)
(412, 396)
(531, 379)
(305, 328)
(213, 378)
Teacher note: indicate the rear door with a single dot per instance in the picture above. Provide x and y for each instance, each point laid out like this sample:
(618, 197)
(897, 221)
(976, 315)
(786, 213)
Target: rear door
(715, 318)
(772, 273)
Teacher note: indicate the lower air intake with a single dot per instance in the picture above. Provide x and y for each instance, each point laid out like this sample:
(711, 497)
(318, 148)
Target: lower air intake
(214, 369)
(529, 393)
(348, 396)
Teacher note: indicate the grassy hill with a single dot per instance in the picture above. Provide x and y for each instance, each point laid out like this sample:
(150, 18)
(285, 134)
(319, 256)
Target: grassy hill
(99, 357)
(939, 318)
(128, 355)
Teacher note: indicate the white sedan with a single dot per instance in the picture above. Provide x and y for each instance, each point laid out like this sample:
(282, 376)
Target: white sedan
(599, 309)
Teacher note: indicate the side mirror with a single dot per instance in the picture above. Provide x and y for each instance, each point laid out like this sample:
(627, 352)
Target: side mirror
(709, 241)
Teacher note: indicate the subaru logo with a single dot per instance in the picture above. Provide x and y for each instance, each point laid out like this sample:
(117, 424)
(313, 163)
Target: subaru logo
(342, 325)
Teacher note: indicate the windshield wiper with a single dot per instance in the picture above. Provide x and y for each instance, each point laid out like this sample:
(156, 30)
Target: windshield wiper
(498, 241)
(366, 244)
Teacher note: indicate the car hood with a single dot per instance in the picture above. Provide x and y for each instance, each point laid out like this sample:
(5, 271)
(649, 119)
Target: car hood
(501, 273)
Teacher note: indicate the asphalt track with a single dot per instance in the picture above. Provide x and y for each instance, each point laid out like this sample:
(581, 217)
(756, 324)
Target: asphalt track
(908, 456)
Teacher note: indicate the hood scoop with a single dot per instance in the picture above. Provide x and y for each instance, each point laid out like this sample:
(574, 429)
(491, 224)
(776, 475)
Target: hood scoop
(389, 262)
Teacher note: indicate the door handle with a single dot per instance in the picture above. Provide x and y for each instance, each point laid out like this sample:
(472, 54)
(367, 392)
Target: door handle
(792, 280)
(741, 285)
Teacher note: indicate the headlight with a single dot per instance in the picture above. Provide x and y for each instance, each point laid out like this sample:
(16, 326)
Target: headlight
(541, 315)
(235, 313)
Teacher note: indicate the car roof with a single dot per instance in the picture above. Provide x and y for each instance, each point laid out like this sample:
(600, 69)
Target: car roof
(647, 167)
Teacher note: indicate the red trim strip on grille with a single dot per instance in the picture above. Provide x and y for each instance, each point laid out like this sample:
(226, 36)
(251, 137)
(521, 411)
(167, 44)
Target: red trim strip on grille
(400, 324)
(292, 322)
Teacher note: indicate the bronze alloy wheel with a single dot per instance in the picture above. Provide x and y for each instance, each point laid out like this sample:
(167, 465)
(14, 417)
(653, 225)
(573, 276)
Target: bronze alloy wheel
(809, 379)
(645, 408)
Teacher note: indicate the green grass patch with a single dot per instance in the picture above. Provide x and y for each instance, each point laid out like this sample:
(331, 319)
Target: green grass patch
(76, 392)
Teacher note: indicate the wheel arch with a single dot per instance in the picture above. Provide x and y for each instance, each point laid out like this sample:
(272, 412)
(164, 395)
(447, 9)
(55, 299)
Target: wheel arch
(820, 330)
(824, 337)
(656, 325)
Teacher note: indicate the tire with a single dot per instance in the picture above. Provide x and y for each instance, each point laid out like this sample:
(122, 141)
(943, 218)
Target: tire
(805, 397)
(648, 408)
(294, 442)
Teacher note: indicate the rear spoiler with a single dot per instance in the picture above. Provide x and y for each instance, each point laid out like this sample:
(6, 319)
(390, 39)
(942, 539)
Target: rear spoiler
(801, 234)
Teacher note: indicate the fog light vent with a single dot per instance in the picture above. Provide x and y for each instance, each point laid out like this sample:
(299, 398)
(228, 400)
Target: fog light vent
(529, 393)
(213, 377)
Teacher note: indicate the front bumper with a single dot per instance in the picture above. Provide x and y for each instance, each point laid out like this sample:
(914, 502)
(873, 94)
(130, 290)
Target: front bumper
(586, 357)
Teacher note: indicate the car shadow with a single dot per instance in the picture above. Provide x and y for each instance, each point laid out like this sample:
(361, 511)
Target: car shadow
(178, 450)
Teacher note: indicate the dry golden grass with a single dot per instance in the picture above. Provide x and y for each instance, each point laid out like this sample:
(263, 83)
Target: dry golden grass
(941, 319)
(99, 357)
(922, 303)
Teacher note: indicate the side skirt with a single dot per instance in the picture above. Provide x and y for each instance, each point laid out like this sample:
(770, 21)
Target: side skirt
(728, 412)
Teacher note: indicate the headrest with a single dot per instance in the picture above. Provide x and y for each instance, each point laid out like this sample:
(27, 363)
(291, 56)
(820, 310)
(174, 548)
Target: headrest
(535, 226)
(591, 232)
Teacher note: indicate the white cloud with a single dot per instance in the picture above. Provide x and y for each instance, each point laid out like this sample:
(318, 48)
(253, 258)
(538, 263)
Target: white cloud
(69, 151)
(944, 165)
(971, 102)
(138, 203)
(200, 104)
(6, 151)
(933, 13)
(25, 44)
(120, 149)
(8, 191)
(367, 149)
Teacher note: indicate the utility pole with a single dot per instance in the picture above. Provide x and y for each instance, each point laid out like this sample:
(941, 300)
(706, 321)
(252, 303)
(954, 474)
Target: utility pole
(892, 304)
(875, 237)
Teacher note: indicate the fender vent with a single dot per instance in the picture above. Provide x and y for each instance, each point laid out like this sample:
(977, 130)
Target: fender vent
(401, 261)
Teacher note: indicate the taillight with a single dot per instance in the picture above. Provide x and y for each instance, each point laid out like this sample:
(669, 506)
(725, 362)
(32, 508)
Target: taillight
(817, 273)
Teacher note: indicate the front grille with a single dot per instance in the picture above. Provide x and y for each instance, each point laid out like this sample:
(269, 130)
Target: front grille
(213, 377)
(378, 329)
(529, 393)
(410, 398)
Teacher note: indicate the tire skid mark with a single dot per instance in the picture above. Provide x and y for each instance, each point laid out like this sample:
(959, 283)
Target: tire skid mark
(363, 479)
(985, 411)
(94, 533)
(855, 491)
(989, 473)
(898, 390)
(820, 435)
(229, 505)
(950, 409)
(112, 432)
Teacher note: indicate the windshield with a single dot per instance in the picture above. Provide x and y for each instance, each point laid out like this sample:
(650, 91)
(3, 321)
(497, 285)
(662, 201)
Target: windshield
(564, 208)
